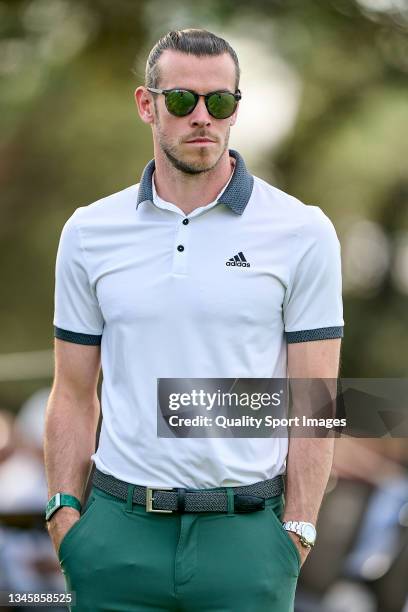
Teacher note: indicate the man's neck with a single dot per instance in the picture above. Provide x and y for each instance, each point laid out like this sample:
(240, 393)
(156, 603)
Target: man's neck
(189, 191)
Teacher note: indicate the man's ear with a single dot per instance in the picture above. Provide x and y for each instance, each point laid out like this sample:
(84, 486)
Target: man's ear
(144, 103)
(233, 117)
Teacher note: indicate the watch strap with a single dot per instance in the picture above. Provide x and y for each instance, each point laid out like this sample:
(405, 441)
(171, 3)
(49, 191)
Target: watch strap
(293, 526)
(61, 499)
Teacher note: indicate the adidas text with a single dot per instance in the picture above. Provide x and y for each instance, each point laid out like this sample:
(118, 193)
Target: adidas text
(240, 264)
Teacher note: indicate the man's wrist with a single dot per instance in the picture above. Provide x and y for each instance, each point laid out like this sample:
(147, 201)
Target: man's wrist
(305, 531)
(63, 514)
(59, 500)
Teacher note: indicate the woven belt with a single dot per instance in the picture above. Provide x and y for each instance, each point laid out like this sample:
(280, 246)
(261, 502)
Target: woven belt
(247, 498)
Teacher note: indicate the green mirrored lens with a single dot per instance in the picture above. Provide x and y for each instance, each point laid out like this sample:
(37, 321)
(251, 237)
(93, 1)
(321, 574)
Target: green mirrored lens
(180, 102)
(221, 105)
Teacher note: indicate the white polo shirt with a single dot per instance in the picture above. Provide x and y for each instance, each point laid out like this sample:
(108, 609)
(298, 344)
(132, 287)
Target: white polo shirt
(159, 291)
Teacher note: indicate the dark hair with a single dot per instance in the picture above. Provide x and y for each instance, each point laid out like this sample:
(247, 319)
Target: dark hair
(191, 41)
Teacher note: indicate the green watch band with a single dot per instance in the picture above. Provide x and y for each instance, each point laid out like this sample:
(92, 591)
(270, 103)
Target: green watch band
(59, 500)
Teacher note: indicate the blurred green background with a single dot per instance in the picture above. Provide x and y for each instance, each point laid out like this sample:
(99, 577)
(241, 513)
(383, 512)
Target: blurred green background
(324, 117)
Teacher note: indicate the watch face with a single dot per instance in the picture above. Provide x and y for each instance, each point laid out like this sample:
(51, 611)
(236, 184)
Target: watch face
(52, 505)
(309, 533)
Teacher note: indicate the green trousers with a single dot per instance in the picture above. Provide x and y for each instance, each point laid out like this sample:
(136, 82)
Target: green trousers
(120, 558)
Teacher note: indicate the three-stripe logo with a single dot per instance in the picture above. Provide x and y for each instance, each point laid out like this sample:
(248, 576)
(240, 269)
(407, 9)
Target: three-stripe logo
(238, 260)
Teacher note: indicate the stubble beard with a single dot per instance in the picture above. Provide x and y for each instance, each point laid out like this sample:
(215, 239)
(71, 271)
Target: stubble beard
(186, 166)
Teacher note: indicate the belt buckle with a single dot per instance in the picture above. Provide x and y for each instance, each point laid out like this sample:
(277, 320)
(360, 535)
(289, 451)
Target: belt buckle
(150, 499)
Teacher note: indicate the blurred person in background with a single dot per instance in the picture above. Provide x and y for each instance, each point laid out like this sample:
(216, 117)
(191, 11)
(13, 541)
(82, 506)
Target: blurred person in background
(6, 449)
(383, 464)
(27, 561)
(361, 562)
(6, 435)
(22, 475)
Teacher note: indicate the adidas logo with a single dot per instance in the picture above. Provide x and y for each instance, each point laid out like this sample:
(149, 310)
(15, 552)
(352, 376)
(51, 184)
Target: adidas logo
(238, 260)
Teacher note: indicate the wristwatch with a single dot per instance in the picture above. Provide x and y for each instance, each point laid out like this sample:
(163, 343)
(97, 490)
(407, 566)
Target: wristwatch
(305, 531)
(61, 499)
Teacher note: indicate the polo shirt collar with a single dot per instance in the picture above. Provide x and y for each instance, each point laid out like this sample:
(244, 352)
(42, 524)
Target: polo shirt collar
(236, 195)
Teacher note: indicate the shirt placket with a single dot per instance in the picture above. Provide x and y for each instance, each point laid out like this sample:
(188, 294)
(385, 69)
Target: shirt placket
(181, 247)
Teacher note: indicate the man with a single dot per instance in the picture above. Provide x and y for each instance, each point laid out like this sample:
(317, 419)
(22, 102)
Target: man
(148, 280)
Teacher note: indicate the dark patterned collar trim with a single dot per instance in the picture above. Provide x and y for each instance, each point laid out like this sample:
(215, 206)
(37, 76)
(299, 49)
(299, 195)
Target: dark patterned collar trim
(236, 196)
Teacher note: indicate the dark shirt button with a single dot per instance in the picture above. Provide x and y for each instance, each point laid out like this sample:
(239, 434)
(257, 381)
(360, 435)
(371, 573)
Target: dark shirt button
(185, 221)
(180, 248)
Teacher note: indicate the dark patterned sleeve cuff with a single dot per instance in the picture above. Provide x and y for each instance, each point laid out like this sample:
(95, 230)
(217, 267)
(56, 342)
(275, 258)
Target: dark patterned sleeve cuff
(321, 333)
(78, 338)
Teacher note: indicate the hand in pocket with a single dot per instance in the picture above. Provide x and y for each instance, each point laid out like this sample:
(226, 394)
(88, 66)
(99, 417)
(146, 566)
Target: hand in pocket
(61, 523)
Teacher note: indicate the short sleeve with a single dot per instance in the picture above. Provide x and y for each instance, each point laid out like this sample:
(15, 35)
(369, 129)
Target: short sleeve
(313, 306)
(77, 315)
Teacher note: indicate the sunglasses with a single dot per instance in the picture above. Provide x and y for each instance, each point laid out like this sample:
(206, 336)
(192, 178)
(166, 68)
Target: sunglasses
(182, 102)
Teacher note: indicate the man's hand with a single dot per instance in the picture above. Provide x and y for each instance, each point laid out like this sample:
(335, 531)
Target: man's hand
(61, 523)
(303, 550)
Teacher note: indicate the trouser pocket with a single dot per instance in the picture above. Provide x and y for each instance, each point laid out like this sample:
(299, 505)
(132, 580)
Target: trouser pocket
(70, 536)
(276, 512)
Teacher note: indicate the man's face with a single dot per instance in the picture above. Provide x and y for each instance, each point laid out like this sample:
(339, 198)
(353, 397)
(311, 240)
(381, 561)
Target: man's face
(173, 134)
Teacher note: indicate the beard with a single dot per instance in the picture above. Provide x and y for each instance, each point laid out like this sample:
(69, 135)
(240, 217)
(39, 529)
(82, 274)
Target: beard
(188, 166)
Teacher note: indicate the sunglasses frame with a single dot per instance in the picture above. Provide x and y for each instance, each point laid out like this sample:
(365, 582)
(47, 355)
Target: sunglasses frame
(237, 95)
